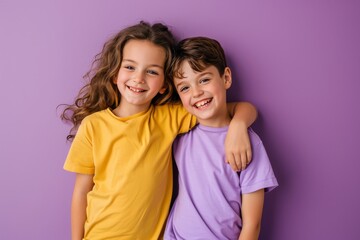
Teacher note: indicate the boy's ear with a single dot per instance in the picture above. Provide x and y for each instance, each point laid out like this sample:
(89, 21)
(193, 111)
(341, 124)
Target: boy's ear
(227, 78)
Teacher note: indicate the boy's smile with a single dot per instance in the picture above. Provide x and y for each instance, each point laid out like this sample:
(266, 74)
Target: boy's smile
(203, 103)
(203, 94)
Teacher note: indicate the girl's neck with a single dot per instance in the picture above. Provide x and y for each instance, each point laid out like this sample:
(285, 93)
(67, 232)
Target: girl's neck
(126, 111)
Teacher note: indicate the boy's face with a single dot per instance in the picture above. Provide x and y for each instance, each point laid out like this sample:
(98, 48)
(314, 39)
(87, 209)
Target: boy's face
(203, 94)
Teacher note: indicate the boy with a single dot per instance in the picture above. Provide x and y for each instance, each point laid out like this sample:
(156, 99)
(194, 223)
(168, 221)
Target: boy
(213, 202)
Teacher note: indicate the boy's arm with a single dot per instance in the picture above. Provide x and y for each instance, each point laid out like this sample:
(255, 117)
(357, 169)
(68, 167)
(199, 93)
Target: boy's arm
(83, 184)
(251, 213)
(237, 143)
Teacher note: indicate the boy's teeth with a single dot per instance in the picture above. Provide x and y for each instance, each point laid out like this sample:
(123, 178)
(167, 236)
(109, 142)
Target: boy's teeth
(202, 103)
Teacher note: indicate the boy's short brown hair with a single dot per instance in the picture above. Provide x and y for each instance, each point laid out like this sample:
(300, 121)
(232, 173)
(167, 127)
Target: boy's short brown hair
(200, 52)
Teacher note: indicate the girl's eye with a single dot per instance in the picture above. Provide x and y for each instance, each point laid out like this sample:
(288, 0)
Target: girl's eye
(152, 72)
(129, 67)
(183, 89)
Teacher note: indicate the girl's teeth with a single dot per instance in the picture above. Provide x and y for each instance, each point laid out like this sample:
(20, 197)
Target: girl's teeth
(135, 90)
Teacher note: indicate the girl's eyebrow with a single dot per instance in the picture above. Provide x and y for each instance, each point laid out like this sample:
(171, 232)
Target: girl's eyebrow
(151, 65)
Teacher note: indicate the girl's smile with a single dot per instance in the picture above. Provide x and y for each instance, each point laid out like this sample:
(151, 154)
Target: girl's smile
(136, 90)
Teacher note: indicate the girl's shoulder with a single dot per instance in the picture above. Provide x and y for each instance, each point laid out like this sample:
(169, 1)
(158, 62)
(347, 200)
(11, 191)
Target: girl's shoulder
(170, 110)
(168, 106)
(96, 116)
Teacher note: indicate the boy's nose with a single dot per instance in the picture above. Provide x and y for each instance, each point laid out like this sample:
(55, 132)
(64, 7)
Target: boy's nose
(197, 92)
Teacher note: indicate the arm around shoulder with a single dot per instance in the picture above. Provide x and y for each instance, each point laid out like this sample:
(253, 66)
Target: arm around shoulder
(243, 112)
(237, 143)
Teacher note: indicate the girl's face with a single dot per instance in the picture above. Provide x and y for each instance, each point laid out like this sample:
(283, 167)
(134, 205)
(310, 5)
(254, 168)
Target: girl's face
(141, 76)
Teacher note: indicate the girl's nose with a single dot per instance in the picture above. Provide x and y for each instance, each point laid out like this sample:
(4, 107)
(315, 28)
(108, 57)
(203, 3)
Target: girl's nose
(138, 77)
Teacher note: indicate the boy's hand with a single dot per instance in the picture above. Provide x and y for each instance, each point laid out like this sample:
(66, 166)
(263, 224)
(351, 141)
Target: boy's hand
(237, 146)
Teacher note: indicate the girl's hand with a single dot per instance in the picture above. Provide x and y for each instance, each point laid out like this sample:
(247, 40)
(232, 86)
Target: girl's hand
(237, 146)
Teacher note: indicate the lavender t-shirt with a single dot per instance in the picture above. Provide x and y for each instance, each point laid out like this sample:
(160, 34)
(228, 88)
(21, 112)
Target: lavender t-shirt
(208, 203)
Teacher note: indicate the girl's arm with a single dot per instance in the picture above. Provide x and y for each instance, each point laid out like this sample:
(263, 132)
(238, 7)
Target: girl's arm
(83, 184)
(251, 213)
(237, 143)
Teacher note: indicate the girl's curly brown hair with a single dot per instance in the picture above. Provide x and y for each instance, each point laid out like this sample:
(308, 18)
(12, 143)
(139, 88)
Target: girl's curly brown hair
(101, 92)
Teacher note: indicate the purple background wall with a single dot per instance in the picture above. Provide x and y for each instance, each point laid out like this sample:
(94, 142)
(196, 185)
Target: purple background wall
(297, 61)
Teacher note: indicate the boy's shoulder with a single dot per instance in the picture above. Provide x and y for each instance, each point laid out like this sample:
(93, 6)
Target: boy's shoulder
(254, 137)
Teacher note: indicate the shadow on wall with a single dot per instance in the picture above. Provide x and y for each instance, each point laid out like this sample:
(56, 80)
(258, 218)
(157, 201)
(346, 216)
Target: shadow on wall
(272, 199)
(235, 92)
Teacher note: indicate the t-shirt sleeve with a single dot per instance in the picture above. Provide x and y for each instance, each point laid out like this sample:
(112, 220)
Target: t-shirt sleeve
(259, 174)
(182, 119)
(80, 158)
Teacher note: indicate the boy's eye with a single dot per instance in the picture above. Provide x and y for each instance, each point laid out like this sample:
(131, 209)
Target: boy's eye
(183, 88)
(205, 80)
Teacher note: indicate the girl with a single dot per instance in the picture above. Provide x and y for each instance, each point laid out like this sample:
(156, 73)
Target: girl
(121, 153)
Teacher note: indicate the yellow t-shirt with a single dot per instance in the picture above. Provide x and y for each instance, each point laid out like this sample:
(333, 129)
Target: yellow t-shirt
(131, 162)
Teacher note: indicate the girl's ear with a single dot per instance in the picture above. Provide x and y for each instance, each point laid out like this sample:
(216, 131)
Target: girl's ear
(162, 91)
(227, 78)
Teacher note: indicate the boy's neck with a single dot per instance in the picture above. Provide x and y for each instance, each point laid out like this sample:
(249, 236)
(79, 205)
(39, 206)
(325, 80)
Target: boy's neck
(218, 122)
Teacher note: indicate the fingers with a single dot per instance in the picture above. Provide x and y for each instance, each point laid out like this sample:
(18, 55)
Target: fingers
(240, 161)
(230, 159)
(243, 161)
(235, 162)
(249, 156)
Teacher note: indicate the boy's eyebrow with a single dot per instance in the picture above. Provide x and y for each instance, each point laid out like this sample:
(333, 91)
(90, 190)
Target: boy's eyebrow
(205, 73)
(151, 65)
(180, 81)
